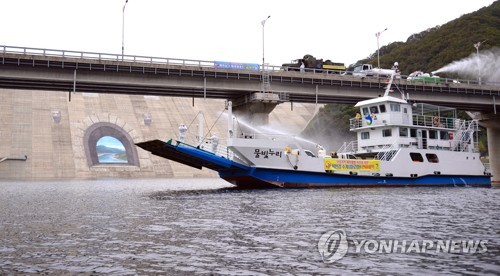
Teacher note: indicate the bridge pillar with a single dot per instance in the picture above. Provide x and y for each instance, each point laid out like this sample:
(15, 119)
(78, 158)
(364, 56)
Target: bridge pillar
(255, 108)
(492, 124)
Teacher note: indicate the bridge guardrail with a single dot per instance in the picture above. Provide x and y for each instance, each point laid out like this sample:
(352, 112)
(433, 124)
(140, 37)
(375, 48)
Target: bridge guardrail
(104, 56)
(188, 62)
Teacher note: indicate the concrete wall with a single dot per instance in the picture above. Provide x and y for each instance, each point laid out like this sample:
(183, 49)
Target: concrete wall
(56, 150)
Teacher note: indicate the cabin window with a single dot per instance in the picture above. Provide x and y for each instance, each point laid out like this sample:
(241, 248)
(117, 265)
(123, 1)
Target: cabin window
(309, 153)
(395, 107)
(387, 132)
(365, 135)
(432, 158)
(416, 157)
(365, 111)
(444, 135)
(373, 109)
(432, 134)
(403, 132)
(405, 110)
(413, 133)
(382, 108)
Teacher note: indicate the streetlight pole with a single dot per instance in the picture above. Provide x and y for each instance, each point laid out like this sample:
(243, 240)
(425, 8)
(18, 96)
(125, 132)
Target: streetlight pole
(263, 24)
(123, 28)
(477, 45)
(378, 47)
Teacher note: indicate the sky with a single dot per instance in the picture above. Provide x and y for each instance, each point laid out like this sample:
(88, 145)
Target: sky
(224, 30)
(110, 142)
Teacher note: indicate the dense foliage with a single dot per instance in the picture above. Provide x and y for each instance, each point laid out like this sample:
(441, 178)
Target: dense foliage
(441, 45)
(427, 51)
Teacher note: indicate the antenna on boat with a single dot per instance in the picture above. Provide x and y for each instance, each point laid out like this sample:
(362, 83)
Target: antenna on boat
(201, 133)
(389, 84)
(229, 120)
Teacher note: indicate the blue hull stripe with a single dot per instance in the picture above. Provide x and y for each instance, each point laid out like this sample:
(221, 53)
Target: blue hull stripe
(301, 178)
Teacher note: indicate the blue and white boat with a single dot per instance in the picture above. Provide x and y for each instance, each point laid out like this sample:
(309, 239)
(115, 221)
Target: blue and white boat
(399, 143)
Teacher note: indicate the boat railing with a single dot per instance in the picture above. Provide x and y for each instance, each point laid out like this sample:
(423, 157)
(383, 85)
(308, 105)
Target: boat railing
(487, 167)
(476, 146)
(206, 144)
(464, 136)
(274, 137)
(224, 151)
(434, 121)
(349, 147)
(355, 123)
(260, 135)
(220, 150)
(389, 150)
(418, 120)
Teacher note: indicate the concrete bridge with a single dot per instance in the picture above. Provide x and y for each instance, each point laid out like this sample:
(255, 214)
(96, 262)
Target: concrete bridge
(72, 71)
(61, 70)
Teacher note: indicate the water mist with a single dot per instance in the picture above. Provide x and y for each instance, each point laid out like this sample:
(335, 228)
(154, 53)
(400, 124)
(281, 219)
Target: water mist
(485, 65)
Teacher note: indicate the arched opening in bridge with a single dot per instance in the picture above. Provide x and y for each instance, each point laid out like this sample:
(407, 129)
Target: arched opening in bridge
(110, 150)
(108, 144)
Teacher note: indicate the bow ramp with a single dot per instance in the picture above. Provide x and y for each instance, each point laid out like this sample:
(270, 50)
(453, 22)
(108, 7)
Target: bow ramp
(190, 155)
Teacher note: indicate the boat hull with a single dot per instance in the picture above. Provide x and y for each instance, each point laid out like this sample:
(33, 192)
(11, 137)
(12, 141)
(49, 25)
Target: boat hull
(260, 177)
(301, 179)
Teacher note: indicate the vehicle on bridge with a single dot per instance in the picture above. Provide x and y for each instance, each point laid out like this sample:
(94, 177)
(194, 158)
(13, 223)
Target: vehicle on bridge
(310, 62)
(367, 70)
(423, 77)
(399, 143)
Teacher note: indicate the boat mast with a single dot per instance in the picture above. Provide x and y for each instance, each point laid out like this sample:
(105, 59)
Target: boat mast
(389, 84)
(229, 120)
(201, 134)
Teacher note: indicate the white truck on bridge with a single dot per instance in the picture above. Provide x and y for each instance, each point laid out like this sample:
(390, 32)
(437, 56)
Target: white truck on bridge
(367, 70)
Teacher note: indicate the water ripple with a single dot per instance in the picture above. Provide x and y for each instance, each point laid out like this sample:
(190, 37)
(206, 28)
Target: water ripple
(129, 227)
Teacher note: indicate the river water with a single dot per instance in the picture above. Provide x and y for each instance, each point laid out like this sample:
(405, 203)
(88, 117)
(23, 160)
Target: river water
(200, 226)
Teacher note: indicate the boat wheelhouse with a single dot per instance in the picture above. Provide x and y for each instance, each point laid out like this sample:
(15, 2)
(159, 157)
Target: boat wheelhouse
(421, 138)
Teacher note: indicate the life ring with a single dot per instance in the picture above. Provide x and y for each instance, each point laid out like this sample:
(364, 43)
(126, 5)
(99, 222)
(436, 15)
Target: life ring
(435, 121)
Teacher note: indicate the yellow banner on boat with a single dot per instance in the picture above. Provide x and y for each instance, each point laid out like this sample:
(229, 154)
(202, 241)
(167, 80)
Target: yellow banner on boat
(334, 164)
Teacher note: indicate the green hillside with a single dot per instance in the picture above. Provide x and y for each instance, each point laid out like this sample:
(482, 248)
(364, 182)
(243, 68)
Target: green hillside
(441, 45)
(427, 51)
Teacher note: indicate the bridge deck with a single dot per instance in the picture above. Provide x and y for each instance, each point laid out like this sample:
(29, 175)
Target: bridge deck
(43, 69)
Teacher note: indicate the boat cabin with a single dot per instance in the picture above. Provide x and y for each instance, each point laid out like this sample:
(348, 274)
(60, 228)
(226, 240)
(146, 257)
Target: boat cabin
(387, 123)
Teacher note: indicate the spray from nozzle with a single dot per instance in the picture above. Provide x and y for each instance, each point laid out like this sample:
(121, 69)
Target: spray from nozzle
(485, 65)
